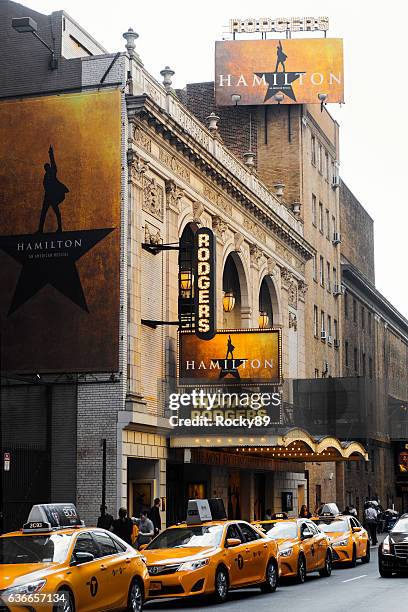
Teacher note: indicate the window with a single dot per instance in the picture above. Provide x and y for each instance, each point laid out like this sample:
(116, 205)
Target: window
(106, 544)
(333, 226)
(316, 373)
(249, 534)
(327, 167)
(314, 211)
(327, 224)
(329, 325)
(233, 532)
(321, 271)
(335, 330)
(320, 159)
(363, 363)
(313, 151)
(322, 322)
(346, 353)
(321, 217)
(328, 277)
(355, 361)
(334, 276)
(345, 306)
(315, 321)
(362, 317)
(314, 268)
(369, 323)
(354, 311)
(370, 367)
(86, 543)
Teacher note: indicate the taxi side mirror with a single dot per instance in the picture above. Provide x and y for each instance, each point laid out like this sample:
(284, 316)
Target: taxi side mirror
(82, 557)
(356, 529)
(231, 542)
(306, 535)
(142, 546)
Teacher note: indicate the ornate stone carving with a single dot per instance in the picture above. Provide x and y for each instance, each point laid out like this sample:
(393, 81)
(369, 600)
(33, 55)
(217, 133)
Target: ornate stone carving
(292, 321)
(198, 209)
(174, 164)
(152, 235)
(173, 195)
(302, 288)
(272, 266)
(153, 198)
(220, 227)
(293, 294)
(216, 198)
(142, 140)
(286, 277)
(255, 254)
(255, 229)
(137, 165)
(238, 240)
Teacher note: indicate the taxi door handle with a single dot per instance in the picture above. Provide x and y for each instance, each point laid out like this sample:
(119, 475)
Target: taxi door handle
(128, 560)
(103, 568)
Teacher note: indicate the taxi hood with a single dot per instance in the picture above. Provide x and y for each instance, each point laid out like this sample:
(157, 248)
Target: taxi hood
(15, 575)
(173, 555)
(280, 541)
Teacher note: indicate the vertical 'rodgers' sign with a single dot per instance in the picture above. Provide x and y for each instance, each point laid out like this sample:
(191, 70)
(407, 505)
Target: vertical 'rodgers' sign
(204, 283)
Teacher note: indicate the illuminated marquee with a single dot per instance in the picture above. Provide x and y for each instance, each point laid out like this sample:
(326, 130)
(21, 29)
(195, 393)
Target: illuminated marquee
(278, 24)
(204, 283)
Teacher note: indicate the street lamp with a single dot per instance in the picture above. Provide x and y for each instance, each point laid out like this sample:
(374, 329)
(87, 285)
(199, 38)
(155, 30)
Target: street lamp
(263, 320)
(228, 301)
(22, 25)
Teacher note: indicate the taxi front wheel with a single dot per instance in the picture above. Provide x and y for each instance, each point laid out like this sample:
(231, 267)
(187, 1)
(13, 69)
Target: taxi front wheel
(366, 558)
(135, 597)
(66, 603)
(271, 582)
(221, 585)
(327, 569)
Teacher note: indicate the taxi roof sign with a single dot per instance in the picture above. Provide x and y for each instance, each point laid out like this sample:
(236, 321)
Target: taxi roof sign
(329, 510)
(52, 516)
(279, 515)
(198, 511)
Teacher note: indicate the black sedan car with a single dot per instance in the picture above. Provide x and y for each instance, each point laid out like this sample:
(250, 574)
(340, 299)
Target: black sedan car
(393, 551)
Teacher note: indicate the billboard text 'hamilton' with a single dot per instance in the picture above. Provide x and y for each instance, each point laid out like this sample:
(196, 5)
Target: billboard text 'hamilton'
(286, 71)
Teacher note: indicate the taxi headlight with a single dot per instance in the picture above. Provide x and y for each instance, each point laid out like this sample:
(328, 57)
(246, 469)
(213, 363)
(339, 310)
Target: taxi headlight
(386, 547)
(193, 565)
(286, 552)
(25, 589)
(344, 542)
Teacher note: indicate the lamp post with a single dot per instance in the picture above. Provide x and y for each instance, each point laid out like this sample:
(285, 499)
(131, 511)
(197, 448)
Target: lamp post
(22, 25)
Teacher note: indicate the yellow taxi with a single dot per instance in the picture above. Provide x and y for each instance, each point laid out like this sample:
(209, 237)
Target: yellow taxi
(208, 555)
(349, 540)
(303, 548)
(55, 563)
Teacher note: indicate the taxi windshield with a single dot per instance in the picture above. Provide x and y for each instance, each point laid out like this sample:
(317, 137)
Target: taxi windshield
(200, 535)
(280, 530)
(401, 525)
(333, 526)
(34, 549)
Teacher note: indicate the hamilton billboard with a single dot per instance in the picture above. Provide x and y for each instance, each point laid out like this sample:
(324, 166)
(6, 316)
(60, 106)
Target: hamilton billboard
(60, 233)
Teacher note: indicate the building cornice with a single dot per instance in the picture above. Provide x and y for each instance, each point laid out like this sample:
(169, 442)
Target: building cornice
(195, 150)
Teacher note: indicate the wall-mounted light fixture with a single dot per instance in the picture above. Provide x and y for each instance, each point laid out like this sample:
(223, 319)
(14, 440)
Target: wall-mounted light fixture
(278, 97)
(263, 320)
(228, 301)
(186, 283)
(27, 24)
(235, 98)
(322, 97)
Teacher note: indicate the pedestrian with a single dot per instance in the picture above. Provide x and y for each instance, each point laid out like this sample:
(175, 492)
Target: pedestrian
(123, 526)
(304, 512)
(105, 520)
(154, 515)
(370, 518)
(353, 511)
(146, 529)
(268, 514)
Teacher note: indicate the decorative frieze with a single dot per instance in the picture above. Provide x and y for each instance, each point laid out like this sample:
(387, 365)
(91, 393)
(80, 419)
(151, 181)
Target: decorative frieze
(216, 198)
(255, 229)
(142, 140)
(153, 198)
(174, 164)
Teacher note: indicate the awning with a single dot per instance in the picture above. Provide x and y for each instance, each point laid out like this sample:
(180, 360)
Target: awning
(295, 445)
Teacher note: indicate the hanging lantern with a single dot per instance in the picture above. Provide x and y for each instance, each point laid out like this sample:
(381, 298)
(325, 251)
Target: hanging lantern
(228, 301)
(263, 320)
(186, 283)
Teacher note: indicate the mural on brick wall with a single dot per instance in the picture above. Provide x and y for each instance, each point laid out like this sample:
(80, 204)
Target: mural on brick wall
(60, 233)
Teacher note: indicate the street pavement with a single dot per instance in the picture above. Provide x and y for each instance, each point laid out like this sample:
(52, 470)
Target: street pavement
(352, 589)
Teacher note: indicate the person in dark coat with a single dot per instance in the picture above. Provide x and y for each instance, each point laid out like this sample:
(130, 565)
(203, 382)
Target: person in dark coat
(154, 515)
(105, 520)
(123, 526)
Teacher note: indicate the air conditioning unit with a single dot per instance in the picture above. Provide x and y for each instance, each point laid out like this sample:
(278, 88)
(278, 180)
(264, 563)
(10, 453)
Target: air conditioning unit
(339, 289)
(323, 335)
(336, 238)
(336, 343)
(335, 181)
(330, 339)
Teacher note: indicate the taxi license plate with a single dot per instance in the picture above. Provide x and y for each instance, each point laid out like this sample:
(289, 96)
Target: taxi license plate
(155, 586)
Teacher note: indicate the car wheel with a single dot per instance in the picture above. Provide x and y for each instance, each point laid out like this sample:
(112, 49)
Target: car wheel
(67, 604)
(301, 571)
(384, 573)
(366, 558)
(135, 597)
(353, 561)
(271, 578)
(221, 585)
(327, 569)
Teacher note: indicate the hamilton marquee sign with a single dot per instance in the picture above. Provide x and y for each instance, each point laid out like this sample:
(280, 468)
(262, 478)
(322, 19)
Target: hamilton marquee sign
(274, 71)
(60, 233)
(231, 357)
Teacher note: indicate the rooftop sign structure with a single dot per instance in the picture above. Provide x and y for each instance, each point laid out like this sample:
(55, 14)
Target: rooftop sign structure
(278, 24)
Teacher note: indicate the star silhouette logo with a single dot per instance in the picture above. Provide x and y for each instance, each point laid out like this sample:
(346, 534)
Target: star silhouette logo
(50, 259)
(279, 82)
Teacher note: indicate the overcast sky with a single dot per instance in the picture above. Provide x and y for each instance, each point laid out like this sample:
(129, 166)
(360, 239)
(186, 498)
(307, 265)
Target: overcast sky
(373, 123)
